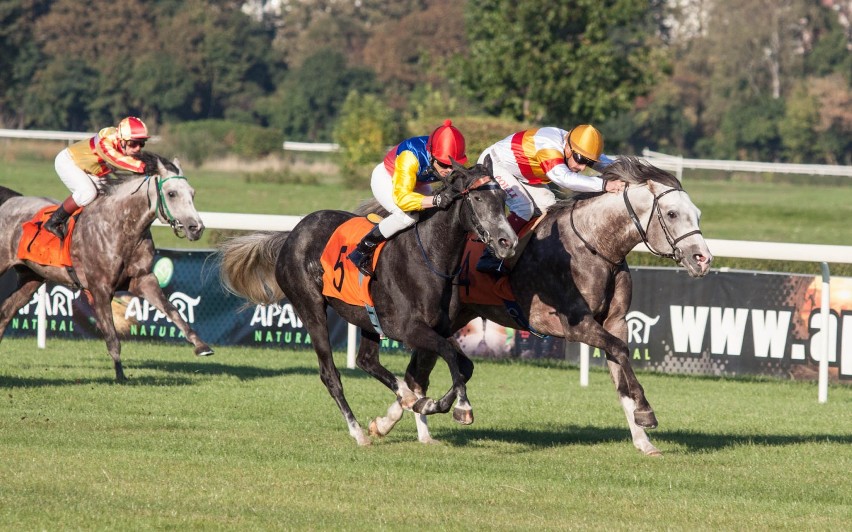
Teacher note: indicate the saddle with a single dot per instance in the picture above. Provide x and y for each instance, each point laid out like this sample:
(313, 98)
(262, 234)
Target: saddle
(43, 247)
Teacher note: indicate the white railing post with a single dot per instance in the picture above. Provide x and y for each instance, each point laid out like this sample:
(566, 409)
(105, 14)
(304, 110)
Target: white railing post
(351, 342)
(41, 316)
(584, 365)
(822, 394)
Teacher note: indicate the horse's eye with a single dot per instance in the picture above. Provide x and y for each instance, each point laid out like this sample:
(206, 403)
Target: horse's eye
(172, 195)
(672, 215)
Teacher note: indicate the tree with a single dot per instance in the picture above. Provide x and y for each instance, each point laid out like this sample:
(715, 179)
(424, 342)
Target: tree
(308, 101)
(560, 61)
(364, 131)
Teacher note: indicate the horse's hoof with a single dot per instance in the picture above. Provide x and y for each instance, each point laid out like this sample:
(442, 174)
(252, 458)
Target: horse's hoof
(407, 399)
(430, 441)
(374, 429)
(654, 452)
(645, 419)
(463, 415)
(203, 351)
(424, 405)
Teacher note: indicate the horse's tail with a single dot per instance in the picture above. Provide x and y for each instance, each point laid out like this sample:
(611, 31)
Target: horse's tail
(6, 193)
(247, 266)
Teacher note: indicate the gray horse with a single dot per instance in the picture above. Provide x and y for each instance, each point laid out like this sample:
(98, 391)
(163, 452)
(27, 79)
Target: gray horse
(572, 281)
(111, 247)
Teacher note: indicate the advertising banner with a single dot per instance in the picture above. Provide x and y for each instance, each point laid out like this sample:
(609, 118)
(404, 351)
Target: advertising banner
(728, 323)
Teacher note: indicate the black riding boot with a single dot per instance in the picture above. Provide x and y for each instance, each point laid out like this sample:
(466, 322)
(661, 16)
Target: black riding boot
(363, 254)
(488, 263)
(56, 223)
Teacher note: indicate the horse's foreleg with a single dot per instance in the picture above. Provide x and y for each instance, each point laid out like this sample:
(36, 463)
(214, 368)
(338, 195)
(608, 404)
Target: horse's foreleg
(148, 287)
(592, 333)
(426, 339)
(17, 299)
(638, 434)
(102, 305)
(417, 379)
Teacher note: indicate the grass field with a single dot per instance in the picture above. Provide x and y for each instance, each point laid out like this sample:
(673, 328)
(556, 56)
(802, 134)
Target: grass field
(250, 439)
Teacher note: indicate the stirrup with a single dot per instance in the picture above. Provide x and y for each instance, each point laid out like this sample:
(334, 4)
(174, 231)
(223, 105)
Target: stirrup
(362, 261)
(57, 229)
(490, 264)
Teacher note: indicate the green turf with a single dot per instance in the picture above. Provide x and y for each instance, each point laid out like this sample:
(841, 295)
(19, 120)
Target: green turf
(250, 439)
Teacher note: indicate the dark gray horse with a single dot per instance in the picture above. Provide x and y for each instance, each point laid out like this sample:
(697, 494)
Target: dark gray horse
(412, 291)
(572, 280)
(111, 247)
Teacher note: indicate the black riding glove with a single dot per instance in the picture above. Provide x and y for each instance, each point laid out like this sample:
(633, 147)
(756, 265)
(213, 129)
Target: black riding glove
(444, 198)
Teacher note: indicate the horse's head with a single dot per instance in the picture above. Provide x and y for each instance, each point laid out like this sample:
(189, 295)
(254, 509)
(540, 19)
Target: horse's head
(174, 200)
(664, 215)
(483, 206)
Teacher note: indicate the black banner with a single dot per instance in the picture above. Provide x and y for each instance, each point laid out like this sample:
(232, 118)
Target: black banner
(728, 323)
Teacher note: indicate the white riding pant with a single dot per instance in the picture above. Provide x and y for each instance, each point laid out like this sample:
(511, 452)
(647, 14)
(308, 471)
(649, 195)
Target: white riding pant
(521, 197)
(398, 220)
(81, 184)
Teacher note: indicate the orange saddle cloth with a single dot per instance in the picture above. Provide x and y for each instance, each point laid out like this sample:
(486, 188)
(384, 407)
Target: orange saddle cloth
(341, 279)
(43, 247)
(477, 287)
(484, 288)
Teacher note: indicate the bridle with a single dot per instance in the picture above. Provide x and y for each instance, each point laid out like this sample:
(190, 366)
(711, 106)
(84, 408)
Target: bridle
(162, 208)
(485, 182)
(676, 254)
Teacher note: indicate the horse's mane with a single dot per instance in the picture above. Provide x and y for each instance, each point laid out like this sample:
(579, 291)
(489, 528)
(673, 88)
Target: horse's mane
(633, 171)
(150, 159)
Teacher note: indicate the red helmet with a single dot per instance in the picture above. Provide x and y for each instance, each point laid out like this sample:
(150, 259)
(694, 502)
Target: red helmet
(132, 128)
(446, 142)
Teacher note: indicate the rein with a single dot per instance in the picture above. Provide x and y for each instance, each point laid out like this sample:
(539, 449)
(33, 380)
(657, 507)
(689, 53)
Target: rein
(482, 183)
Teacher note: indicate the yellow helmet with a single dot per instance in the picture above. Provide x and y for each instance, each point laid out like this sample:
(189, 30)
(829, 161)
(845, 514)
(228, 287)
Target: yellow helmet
(585, 140)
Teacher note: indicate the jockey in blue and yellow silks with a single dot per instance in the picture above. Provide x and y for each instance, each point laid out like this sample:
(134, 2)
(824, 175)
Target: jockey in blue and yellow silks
(401, 184)
(80, 164)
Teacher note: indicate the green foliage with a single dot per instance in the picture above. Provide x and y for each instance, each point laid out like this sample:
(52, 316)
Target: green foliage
(749, 130)
(365, 130)
(798, 126)
(203, 139)
(563, 61)
(310, 98)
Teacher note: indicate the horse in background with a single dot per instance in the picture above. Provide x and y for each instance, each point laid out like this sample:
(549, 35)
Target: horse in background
(572, 280)
(111, 247)
(414, 299)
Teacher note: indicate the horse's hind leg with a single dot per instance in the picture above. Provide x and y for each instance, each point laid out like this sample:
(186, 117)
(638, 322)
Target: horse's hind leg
(27, 286)
(102, 306)
(148, 287)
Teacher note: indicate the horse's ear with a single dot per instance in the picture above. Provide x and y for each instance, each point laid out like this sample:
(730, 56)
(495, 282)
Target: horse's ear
(161, 169)
(176, 162)
(489, 165)
(458, 166)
